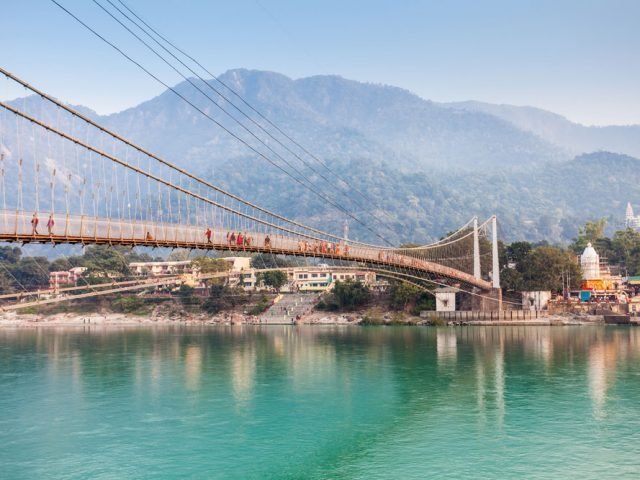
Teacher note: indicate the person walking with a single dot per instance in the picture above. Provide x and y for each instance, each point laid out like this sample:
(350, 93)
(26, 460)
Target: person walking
(50, 223)
(208, 234)
(34, 224)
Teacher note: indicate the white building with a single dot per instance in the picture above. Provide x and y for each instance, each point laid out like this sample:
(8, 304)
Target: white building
(536, 300)
(238, 264)
(446, 299)
(631, 220)
(306, 279)
(159, 269)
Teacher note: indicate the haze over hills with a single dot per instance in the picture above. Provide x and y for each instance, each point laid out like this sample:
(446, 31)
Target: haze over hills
(557, 130)
(431, 166)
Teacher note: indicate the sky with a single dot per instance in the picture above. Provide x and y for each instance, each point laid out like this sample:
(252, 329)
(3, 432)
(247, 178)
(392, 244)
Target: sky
(578, 58)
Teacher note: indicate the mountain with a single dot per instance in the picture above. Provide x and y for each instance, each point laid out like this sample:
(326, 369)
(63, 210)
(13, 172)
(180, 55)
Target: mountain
(336, 119)
(425, 167)
(559, 131)
(552, 202)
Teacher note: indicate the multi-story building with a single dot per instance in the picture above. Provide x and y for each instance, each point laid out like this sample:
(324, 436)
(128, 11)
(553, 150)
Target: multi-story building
(65, 278)
(160, 269)
(307, 279)
(180, 267)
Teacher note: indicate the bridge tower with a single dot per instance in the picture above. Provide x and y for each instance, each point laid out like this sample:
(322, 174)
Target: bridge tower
(495, 268)
(476, 249)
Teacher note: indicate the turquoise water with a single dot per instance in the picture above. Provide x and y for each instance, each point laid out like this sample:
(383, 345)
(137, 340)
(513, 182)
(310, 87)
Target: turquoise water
(309, 402)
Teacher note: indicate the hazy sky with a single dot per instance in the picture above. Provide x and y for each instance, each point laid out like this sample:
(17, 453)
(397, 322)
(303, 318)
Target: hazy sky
(579, 58)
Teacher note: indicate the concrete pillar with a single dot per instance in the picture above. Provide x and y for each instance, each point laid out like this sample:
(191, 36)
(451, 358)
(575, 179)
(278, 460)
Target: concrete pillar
(495, 276)
(476, 249)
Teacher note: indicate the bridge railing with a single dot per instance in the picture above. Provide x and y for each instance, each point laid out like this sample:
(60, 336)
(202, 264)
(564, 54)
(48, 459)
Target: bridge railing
(22, 226)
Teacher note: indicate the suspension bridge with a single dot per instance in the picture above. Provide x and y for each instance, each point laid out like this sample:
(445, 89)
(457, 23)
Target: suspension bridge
(66, 179)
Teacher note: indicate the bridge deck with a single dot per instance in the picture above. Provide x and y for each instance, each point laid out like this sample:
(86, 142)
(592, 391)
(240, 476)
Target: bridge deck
(76, 229)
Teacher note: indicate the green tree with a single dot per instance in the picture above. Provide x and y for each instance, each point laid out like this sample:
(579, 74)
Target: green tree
(221, 297)
(511, 279)
(211, 265)
(106, 261)
(31, 273)
(6, 284)
(10, 254)
(60, 264)
(347, 295)
(403, 295)
(275, 279)
(407, 297)
(625, 250)
(518, 251)
(592, 232)
(185, 294)
(544, 267)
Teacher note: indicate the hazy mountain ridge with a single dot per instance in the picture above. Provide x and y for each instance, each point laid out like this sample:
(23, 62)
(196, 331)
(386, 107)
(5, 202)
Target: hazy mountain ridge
(401, 128)
(558, 130)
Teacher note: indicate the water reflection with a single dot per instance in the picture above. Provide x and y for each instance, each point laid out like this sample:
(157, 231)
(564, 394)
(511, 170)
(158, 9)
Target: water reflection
(243, 369)
(446, 346)
(193, 366)
(491, 363)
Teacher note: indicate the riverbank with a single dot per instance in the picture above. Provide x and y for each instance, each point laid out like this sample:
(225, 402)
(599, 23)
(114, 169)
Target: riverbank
(12, 319)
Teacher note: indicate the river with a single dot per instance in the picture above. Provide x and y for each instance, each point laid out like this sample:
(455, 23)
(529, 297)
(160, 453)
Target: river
(320, 402)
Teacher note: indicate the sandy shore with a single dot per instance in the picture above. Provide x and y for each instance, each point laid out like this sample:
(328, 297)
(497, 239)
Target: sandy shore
(11, 319)
(106, 319)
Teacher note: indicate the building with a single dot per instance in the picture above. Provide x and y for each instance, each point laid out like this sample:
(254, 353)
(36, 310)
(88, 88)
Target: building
(446, 299)
(536, 300)
(306, 279)
(318, 279)
(590, 263)
(238, 264)
(160, 269)
(65, 278)
(631, 220)
(596, 276)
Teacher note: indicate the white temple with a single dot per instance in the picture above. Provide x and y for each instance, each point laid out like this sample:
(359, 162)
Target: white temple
(590, 263)
(631, 220)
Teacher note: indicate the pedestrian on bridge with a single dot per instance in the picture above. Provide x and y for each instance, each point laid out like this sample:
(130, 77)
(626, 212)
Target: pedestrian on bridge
(50, 223)
(208, 234)
(34, 224)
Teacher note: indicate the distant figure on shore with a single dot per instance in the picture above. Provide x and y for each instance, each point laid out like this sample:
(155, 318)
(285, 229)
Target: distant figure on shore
(50, 223)
(34, 224)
